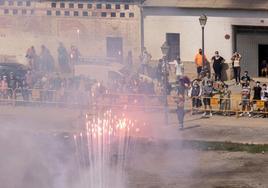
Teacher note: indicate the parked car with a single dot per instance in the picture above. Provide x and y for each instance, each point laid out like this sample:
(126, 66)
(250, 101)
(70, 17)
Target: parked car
(18, 70)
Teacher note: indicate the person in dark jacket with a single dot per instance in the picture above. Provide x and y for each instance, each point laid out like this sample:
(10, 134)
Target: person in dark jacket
(195, 93)
(217, 61)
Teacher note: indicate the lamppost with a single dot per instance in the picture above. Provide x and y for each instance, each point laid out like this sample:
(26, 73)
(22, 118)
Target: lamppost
(165, 50)
(203, 20)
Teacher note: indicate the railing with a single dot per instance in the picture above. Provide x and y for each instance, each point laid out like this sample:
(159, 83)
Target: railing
(125, 101)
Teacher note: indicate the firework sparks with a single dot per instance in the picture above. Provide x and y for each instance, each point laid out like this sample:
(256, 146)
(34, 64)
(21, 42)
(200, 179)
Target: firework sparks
(102, 150)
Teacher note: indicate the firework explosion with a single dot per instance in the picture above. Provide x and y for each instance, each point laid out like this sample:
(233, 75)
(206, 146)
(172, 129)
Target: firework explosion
(103, 149)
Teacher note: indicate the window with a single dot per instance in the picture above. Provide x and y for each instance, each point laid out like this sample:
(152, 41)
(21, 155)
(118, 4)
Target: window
(6, 11)
(15, 12)
(94, 14)
(32, 11)
(85, 13)
(122, 14)
(57, 13)
(49, 12)
(53, 5)
(2, 2)
(66, 13)
(28, 3)
(80, 5)
(99, 6)
(76, 13)
(24, 11)
(126, 7)
(108, 6)
(103, 14)
(10, 3)
(19, 3)
(71, 5)
(117, 6)
(89, 6)
(113, 14)
(131, 15)
(62, 5)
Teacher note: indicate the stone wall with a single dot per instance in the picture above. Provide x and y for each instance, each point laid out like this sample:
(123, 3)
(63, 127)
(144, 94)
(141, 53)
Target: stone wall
(86, 25)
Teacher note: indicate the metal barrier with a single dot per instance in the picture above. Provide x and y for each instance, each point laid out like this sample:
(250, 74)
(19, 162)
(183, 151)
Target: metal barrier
(126, 101)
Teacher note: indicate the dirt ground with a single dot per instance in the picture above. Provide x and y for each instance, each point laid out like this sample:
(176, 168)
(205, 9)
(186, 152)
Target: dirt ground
(155, 165)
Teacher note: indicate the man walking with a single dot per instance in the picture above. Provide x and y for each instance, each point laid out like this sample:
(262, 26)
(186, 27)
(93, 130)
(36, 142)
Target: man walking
(182, 84)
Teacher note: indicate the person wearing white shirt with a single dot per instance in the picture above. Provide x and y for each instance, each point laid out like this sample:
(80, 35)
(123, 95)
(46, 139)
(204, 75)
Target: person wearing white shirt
(179, 68)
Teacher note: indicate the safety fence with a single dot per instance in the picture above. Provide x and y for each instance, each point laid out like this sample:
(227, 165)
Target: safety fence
(146, 102)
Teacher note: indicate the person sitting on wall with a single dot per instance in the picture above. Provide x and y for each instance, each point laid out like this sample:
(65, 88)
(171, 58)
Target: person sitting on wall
(264, 68)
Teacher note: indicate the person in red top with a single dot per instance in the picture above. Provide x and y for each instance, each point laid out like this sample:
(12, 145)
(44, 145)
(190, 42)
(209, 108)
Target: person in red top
(199, 62)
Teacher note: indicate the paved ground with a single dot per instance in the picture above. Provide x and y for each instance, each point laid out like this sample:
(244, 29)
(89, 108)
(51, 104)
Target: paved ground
(216, 128)
(24, 164)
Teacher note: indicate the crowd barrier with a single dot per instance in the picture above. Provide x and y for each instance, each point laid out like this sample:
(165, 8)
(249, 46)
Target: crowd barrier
(147, 102)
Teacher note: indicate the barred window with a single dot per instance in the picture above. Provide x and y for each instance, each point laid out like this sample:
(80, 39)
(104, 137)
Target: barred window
(122, 15)
(19, 3)
(85, 13)
(71, 5)
(32, 11)
(76, 13)
(58, 13)
(66, 13)
(24, 11)
(126, 7)
(49, 12)
(117, 6)
(28, 3)
(80, 5)
(62, 5)
(103, 14)
(108, 6)
(131, 15)
(15, 11)
(10, 3)
(53, 5)
(6, 11)
(113, 14)
(89, 6)
(99, 6)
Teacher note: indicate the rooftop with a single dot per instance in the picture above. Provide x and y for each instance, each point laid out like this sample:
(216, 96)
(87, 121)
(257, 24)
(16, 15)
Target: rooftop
(210, 4)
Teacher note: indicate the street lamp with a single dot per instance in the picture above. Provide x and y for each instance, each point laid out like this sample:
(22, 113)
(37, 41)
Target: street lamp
(203, 20)
(165, 50)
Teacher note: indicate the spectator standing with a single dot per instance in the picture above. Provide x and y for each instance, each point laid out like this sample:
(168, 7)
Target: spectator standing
(206, 79)
(207, 95)
(264, 97)
(246, 78)
(199, 62)
(4, 88)
(63, 59)
(12, 85)
(245, 100)
(145, 58)
(46, 60)
(74, 57)
(217, 61)
(225, 100)
(264, 68)
(236, 62)
(195, 93)
(29, 79)
(257, 89)
(179, 68)
(31, 57)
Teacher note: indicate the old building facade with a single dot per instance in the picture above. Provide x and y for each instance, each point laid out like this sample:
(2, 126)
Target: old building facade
(232, 25)
(98, 28)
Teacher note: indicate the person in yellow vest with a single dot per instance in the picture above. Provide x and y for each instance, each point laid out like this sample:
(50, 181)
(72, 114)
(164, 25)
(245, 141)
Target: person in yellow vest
(199, 62)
